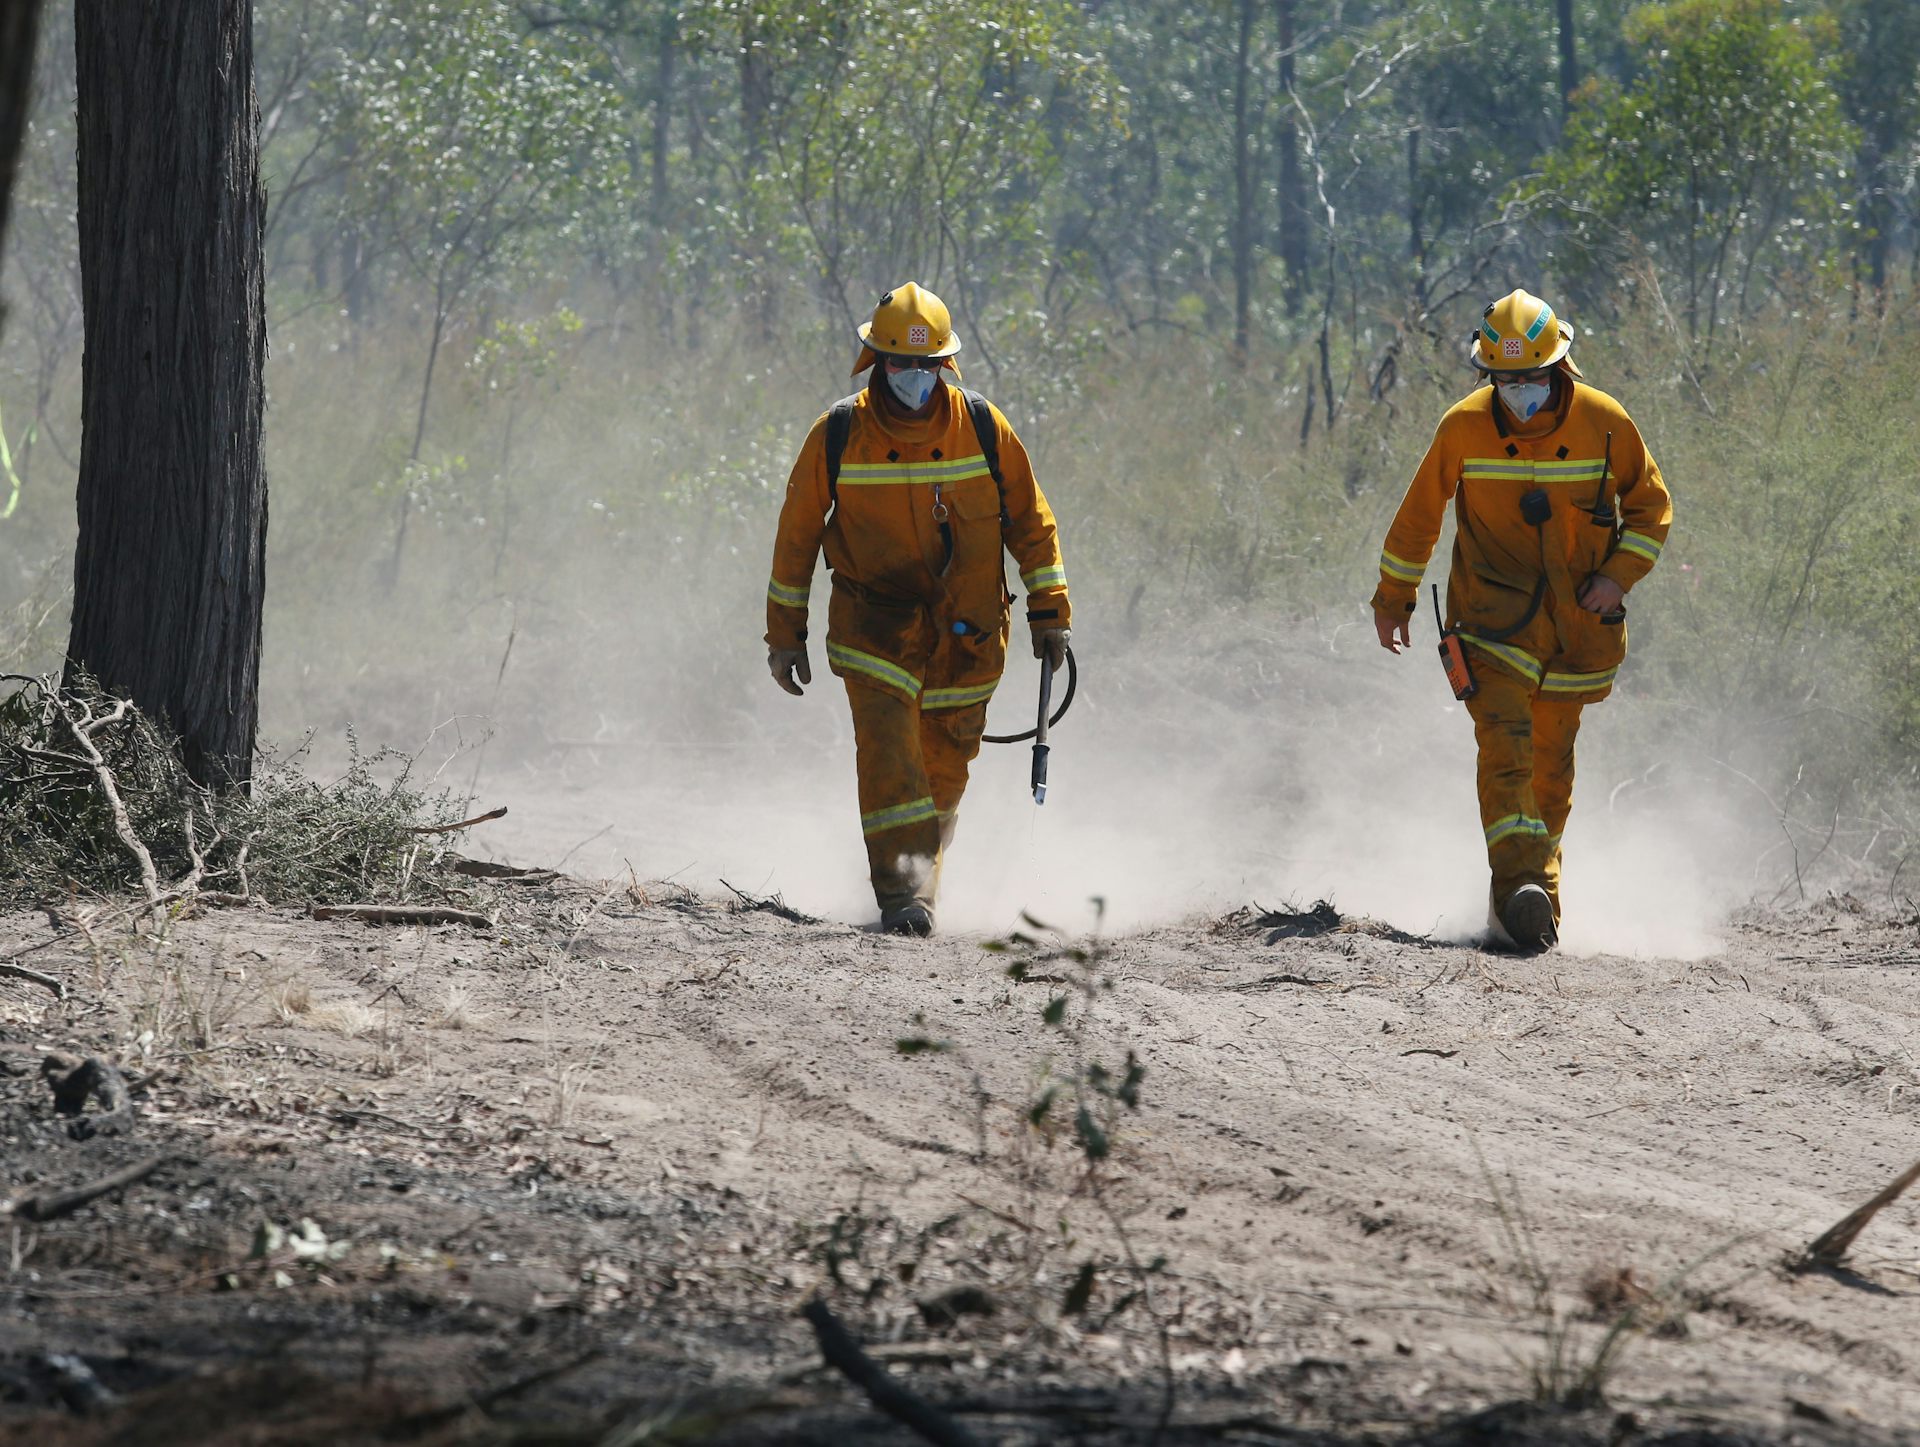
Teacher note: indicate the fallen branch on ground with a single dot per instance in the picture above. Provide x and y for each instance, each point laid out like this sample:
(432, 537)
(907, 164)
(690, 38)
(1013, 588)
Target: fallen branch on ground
(51, 1205)
(83, 729)
(843, 1354)
(504, 873)
(1830, 1248)
(771, 904)
(499, 813)
(33, 977)
(402, 914)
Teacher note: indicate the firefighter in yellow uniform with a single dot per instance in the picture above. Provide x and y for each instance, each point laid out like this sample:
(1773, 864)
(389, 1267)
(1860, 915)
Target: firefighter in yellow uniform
(1559, 511)
(914, 486)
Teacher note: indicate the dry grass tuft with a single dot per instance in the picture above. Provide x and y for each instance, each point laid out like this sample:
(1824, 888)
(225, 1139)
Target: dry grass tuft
(293, 999)
(345, 1017)
(457, 1010)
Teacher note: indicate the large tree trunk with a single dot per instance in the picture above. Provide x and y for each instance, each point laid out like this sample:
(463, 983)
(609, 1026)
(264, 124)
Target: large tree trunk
(19, 23)
(168, 574)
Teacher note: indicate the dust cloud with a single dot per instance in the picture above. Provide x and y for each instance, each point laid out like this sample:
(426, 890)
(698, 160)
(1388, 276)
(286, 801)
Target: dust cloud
(1273, 769)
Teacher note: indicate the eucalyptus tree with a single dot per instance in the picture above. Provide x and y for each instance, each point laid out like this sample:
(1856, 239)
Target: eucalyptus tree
(1880, 83)
(479, 153)
(169, 564)
(924, 142)
(1725, 151)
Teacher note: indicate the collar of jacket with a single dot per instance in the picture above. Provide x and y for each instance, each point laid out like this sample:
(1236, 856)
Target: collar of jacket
(1532, 430)
(913, 431)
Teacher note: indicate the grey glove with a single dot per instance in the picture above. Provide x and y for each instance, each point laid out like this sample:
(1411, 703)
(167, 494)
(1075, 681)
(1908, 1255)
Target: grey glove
(1051, 644)
(783, 663)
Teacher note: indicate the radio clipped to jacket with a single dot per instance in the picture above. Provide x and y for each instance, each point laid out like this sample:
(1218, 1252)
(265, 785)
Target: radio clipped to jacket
(1453, 655)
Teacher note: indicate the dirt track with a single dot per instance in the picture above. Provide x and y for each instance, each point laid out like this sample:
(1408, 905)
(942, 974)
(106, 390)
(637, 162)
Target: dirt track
(650, 1124)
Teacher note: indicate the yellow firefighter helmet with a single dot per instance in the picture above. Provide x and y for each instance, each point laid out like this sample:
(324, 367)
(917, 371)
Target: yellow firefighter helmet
(1519, 333)
(909, 322)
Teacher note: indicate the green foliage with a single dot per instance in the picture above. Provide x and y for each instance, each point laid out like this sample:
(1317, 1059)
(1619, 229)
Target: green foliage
(921, 141)
(1730, 148)
(471, 147)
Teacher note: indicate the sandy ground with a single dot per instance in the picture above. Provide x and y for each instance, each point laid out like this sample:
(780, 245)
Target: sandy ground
(1372, 1180)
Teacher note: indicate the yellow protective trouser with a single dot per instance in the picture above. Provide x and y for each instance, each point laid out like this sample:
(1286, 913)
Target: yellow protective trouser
(912, 765)
(1526, 778)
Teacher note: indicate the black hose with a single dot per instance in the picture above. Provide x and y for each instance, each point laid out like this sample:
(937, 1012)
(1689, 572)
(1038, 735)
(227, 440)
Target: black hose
(1073, 682)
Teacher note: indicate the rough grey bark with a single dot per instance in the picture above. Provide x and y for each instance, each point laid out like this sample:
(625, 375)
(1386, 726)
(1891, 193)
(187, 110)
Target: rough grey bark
(19, 24)
(169, 568)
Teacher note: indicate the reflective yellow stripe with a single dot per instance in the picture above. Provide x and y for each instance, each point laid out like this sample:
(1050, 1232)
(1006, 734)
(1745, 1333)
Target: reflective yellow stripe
(785, 596)
(1054, 576)
(896, 815)
(958, 697)
(1515, 824)
(892, 674)
(1517, 658)
(955, 469)
(1641, 546)
(1572, 469)
(1578, 682)
(1400, 568)
(1496, 467)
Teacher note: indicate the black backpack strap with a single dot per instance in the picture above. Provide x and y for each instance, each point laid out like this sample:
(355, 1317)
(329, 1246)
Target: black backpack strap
(839, 425)
(988, 436)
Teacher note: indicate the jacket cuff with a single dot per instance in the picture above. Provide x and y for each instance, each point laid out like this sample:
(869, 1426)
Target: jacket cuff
(1048, 610)
(1633, 558)
(1396, 600)
(786, 627)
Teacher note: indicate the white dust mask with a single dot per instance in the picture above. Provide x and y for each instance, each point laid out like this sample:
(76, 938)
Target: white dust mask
(913, 385)
(1523, 399)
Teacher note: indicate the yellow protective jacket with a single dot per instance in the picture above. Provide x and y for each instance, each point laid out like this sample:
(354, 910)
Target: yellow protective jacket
(895, 619)
(1610, 513)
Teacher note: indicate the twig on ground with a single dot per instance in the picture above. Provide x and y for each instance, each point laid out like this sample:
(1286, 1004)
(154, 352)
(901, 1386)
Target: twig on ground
(33, 977)
(51, 1205)
(1830, 1247)
(499, 813)
(843, 1354)
(402, 914)
(771, 904)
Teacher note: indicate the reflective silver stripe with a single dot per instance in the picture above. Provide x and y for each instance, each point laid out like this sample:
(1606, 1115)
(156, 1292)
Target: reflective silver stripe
(1578, 682)
(785, 596)
(1053, 576)
(958, 697)
(955, 469)
(1515, 824)
(915, 812)
(1514, 657)
(892, 674)
(1641, 546)
(1400, 568)
(1572, 469)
